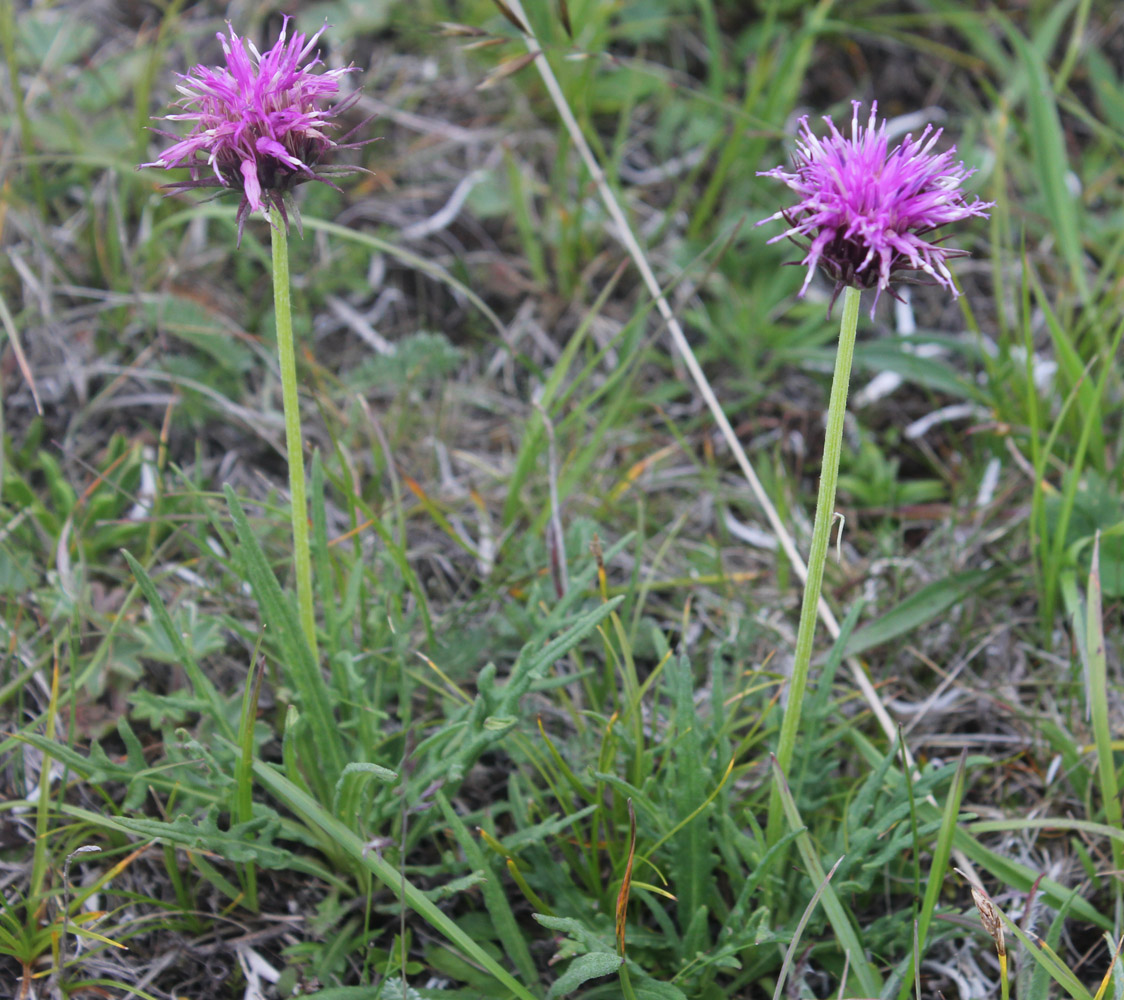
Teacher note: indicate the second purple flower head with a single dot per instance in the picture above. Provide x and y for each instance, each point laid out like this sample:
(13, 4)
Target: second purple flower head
(864, 211)
(259, 122)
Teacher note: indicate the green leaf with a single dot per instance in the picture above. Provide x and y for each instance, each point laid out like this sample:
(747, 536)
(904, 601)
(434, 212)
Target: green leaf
(495, 709)
(248, 841)
(209, 331)
(582, 969)
(652, 989)
(690, 847)
(353, 778)
(938, 869)
(495, 899)
(1022, 877)
(1047, 959)
(886, 355)
(199, 681)
(418, 357)
(928, 603)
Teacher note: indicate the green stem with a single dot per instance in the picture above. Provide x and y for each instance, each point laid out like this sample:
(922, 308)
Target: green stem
(817, 557)
(294, 443)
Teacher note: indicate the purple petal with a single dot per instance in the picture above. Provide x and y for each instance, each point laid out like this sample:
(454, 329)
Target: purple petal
(251, 185)
(865, 209)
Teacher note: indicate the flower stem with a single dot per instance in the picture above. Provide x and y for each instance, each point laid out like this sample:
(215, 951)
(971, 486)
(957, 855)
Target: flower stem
(817, 557)
(294, 442)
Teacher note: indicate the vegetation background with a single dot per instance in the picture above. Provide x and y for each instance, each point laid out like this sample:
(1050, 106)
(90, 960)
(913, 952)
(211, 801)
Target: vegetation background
(534, 758)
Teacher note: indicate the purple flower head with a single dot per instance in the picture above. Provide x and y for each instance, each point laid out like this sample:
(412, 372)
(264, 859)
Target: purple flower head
(258, 124)
(864, 212)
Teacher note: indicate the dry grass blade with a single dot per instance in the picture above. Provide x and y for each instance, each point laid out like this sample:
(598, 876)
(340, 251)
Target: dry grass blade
(626, 881)
(451, 29)
(21, 358)
(509, 67)
(1103, 988)
(564, 17)
(516, 19)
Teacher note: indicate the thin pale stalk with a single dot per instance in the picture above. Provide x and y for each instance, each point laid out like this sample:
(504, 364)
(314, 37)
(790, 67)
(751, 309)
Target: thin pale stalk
(294, 441)
(817, 556)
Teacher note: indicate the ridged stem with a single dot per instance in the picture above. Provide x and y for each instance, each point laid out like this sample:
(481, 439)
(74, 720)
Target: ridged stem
(817, 556)
(294, 442)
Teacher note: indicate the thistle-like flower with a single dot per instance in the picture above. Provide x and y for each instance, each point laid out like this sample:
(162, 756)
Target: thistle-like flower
(866, 211)
(259, 124)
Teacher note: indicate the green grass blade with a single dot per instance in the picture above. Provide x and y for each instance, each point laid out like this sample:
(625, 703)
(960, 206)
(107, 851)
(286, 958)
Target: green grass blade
(495, 899)
(790, 951)
(279, 616)
(311, 812)
(1048, 959)
(1019, 876)
(1096, 668)
(937, 869)
(867, 974)
(1051, 164)
(323, 578)
(691, 849)
(242, 805)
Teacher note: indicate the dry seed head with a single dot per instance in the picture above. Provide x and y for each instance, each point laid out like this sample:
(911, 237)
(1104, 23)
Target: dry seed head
(989, 917)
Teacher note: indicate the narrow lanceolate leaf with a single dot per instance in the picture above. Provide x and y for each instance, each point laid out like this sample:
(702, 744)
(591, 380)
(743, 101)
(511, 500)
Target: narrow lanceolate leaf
(280, 618)
(564, 17)
(939, 867)
(200, 683)
(925, 605)
(492, 890)
(1046, 958)
(791, 951)
(510, 15)
(691, 851)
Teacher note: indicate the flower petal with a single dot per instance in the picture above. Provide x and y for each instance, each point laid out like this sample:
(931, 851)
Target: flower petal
(251, 186)
(257, 121)
(860, 203)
